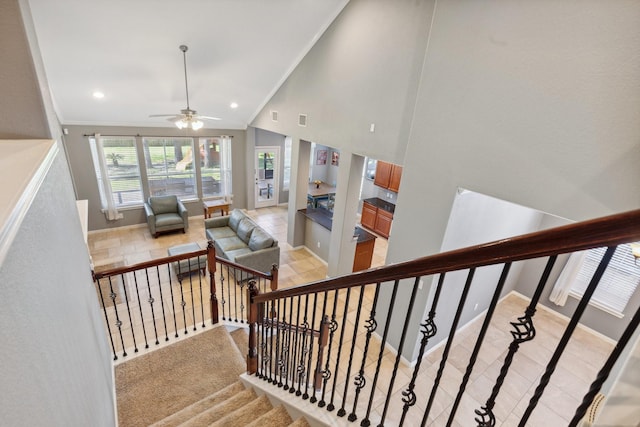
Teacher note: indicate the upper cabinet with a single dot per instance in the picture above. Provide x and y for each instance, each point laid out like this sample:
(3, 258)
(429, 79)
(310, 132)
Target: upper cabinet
(388, 176)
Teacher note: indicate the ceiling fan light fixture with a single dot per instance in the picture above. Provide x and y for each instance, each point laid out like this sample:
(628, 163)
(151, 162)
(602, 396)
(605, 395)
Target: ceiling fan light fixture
(196, 124)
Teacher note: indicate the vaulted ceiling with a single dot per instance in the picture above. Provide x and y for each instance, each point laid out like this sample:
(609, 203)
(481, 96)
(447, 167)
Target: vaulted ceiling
(240, 51)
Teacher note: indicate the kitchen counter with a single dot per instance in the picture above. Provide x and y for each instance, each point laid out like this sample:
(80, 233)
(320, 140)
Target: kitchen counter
(321, 221)
(381, 204)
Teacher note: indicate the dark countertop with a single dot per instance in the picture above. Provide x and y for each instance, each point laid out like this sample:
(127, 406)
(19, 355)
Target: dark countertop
(381, 204)
(325, 219)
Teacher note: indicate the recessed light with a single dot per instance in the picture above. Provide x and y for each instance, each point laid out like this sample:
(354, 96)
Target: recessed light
(234, 105)
(98, 95)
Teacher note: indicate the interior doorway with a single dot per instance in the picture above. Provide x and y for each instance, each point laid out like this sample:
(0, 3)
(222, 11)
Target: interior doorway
(267, 160)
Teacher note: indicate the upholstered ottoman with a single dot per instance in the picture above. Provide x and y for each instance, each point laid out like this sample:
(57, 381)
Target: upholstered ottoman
(185, 267)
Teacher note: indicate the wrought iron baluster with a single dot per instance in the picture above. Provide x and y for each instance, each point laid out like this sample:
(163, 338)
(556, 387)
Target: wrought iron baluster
(223, 301)
(294, 359)
(400, 348)
(479, 340)
(106, 318)
(311, 340)
(200, 285)
(318, 371)
(183, 304)
(392, 303)
(333, 327)
(144, 329)
(276, 330)
(164, 317)
(428, 331)
(193, 304)
(447, 347)
(263, 344)
(331, 406)
(582, 305)
(173, 302)
(342, 412)
(242, 306)
(603, 374)
(118, 321)
(151, 301)
(126, 299)
(235, 299)
(288, 335)
(303, 349)
(524, 331)
(370, 325)
(273, 330)
(282, 331)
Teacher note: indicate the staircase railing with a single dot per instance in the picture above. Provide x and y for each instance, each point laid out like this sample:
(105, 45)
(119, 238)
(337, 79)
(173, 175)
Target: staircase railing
(153, 301)
(353, 363)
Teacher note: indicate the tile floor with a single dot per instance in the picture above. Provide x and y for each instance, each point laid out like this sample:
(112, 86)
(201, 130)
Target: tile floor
(570, 381)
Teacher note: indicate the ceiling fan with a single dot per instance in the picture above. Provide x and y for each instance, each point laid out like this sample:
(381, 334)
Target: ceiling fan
(187, 118)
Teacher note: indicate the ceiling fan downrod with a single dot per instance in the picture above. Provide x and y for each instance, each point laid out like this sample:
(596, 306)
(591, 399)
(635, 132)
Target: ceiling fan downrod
(184, 50)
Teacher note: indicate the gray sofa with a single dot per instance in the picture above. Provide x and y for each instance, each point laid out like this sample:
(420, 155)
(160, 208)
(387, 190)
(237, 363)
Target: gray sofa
(237, 238)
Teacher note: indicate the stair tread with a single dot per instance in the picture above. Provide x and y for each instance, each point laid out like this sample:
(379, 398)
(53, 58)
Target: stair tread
(241, 339)
(245, 414)
(196, 408)
(300, 422)
(276, 417)
(209, 416)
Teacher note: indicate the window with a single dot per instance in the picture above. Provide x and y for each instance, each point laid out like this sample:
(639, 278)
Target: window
(170, 168)
(118, 172)
(211, 161)
(618, 283)
(286, 180)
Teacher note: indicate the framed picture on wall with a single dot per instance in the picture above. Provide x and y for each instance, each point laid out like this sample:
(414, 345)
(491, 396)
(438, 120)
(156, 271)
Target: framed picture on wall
(335, 158)
(321, 157)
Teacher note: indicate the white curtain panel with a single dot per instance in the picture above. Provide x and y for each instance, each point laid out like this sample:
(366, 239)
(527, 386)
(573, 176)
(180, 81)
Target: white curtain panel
(108, 205)
(225, 167)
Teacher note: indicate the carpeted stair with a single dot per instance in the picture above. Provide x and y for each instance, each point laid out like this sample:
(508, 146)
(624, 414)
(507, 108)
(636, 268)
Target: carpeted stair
(228, 403)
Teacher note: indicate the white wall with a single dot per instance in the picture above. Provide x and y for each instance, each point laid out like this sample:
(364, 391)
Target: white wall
(56, 365)
(532, 102)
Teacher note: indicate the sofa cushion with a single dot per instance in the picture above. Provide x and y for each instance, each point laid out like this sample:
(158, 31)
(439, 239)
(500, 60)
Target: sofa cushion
(230, 244)
(245, 228)
(231, 255)
(260, 240)
(166, 219)
(235, 218)
(216, 233)
(163, 204)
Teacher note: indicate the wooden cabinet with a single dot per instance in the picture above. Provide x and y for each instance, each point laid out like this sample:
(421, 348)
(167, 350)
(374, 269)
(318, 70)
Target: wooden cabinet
(394, 180)
(388, 176)
(368, 218)
(376, 219)
(383, 222)
(383, 174)
(364, 255)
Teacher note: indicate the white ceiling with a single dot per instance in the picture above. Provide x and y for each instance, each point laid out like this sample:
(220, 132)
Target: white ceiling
(239, 51)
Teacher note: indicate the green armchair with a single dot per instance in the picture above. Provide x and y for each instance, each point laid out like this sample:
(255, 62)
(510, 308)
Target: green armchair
(166, 213)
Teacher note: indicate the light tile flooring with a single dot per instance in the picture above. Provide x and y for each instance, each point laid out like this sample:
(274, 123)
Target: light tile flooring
(577, 367)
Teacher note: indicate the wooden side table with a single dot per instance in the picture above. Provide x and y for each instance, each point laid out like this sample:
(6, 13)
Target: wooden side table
(211, 206)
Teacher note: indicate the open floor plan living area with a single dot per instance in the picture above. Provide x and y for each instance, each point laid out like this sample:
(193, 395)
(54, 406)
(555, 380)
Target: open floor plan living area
(320, 213)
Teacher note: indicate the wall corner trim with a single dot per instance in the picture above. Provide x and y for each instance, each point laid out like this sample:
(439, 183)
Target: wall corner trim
(25, 165)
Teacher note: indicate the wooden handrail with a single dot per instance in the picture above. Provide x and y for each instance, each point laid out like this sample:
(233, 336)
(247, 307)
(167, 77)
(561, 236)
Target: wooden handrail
(606, 231)
(169, 259)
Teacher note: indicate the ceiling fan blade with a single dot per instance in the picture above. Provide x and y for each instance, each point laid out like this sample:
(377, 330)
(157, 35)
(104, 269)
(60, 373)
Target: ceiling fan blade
(209, 118)
(163, 115)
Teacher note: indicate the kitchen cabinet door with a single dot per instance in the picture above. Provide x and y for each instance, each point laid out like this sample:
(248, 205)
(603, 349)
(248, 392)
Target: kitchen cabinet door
(383, 223)
(394, 180)
(368, 218)
(383, 174)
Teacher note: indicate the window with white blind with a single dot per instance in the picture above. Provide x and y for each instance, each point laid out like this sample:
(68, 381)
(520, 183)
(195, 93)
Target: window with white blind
(117, 170)
(170, 167)
(618, 283)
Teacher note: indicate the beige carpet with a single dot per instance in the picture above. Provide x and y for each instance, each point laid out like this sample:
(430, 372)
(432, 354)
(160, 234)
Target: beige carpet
(155, 385)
